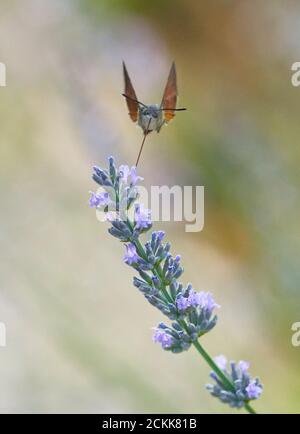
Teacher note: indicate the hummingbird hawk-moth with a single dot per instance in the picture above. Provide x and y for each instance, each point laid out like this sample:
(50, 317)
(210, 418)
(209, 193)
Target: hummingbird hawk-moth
(151, 117)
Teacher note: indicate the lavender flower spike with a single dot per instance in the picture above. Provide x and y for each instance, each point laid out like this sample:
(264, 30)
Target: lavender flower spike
(191, 312)
(244, 388)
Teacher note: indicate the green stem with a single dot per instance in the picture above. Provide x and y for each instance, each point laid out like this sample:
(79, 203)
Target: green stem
(223, 377)
(249, 408)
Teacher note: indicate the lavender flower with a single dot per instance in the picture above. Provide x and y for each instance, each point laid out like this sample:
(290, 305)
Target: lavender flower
(134, 177)
(191, 312)
(194, 299)
(221, 362)
(142, 217)
(126, 172)
(131, 255)
(243, 388)
(254, 390)
(243, 366)
(183, 303)
(99, 199)
(171, 338)
(163, 338)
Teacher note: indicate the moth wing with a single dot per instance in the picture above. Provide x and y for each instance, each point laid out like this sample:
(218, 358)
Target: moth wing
(170, 95)
(129, 91)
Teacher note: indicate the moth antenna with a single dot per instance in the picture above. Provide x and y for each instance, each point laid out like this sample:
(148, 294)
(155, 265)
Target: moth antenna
(134, 100)
(174, 110)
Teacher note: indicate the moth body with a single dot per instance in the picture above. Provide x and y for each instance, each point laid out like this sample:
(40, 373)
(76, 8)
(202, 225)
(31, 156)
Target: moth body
(150, 118)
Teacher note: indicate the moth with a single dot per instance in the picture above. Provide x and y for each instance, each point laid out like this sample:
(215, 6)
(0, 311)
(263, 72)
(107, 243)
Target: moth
(151, 117)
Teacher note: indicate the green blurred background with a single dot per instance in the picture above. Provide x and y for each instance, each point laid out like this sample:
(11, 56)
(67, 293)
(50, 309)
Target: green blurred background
(78, 332)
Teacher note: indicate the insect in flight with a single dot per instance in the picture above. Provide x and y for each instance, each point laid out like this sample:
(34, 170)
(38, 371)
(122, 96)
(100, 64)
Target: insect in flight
(151, 117)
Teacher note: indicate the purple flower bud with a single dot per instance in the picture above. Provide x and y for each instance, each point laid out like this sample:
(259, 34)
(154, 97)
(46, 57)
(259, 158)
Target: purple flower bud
(142, 217)
(131, 255)
(98, 199)
(253, 390)
(101, 176)
(124, 172)
(160, 235)
(204, 300)
(99, 171)
(193, 298)
(182, 303)
(134, 177)
(243, 366)
(155, 280)
(162, 338)
(221, 362)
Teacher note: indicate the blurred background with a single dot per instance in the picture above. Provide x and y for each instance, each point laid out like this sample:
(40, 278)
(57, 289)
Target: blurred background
(78, 332)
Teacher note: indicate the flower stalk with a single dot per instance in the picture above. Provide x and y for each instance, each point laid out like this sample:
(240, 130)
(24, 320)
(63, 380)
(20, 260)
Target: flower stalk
(191, 312)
